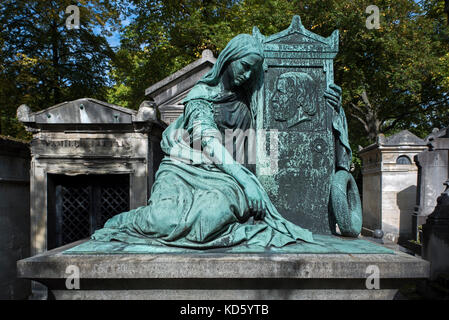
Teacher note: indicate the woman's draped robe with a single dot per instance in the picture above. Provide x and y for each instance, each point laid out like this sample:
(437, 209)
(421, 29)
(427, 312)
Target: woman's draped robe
(193, 203)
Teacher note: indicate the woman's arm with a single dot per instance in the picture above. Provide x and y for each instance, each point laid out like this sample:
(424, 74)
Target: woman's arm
(216, 152)
(201, 124)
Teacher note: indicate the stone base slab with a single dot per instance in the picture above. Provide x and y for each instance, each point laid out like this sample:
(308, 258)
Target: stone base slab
(222, 276)
(200, 295)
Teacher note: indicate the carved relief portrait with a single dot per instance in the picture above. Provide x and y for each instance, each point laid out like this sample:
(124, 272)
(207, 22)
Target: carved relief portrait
(294, 100)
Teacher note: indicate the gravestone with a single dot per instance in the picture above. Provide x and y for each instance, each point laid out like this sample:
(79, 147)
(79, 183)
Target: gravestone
(297, 178)
(436, 237)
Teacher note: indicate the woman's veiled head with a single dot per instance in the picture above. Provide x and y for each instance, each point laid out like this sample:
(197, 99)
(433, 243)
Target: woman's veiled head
(239, 71)
(240, 60)
(243, 46)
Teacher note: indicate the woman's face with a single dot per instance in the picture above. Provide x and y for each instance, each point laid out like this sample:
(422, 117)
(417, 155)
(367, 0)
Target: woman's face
(241, 70)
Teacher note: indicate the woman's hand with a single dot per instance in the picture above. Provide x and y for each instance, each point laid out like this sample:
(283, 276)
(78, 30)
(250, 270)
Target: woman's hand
(333, 97)
(254, 195)
(252, 191)
(255, 199)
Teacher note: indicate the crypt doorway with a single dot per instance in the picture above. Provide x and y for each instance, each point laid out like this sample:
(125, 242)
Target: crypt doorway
(79, 205)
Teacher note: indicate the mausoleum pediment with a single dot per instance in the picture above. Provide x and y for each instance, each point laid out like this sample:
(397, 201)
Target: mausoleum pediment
(85, 113)
(182, 80)
(403, 137)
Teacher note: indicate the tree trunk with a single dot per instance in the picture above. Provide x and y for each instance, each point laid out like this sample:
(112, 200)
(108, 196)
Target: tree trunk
(367, 116)
(55, 63)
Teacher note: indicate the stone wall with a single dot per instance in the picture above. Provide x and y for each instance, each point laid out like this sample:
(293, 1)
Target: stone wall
(14, 216)
(398, 196)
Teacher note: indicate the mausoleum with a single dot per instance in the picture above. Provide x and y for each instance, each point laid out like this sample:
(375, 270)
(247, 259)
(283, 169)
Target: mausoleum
(89, 161)
(389, 184)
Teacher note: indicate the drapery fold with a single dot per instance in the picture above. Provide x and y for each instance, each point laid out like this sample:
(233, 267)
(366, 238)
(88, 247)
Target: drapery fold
(193, 203)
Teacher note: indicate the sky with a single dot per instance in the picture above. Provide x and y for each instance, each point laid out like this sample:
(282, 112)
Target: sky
(114, 40)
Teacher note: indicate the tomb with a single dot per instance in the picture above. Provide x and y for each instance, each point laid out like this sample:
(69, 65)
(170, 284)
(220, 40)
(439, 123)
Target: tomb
(432, 174)
(89, 161)
(333, 267)
(390, 178)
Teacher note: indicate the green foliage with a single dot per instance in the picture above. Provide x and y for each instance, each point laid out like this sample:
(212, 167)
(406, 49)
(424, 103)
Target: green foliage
(44, 63)
(393, 78)
(167, 35)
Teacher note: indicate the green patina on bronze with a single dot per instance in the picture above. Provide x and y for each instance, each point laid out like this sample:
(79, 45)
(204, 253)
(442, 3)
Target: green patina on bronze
(201, 202)
(203, 199)
(301, 102)
(328, 244)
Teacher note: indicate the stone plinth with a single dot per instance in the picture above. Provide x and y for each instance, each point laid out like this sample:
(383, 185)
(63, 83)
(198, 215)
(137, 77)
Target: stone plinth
(212, 276)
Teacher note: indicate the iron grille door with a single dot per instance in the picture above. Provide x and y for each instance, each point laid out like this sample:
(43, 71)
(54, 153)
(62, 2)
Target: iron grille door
(82, 204)
(113, 200)
(74, 212)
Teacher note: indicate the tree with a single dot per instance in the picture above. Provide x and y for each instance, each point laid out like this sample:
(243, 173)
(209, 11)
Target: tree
(393, 77)
(446, 9)
(167, 35)
(45, 63)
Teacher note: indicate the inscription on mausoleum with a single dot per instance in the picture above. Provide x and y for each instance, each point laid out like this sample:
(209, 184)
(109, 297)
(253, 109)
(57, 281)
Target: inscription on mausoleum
(86, 143)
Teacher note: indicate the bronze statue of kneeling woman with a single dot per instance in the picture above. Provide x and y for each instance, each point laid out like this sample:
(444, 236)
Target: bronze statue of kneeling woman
(208, 203)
